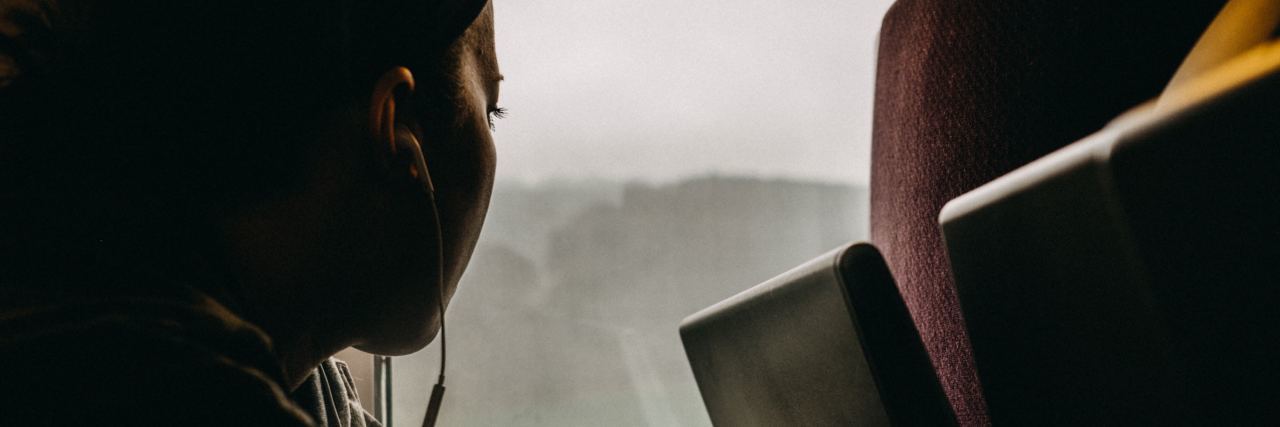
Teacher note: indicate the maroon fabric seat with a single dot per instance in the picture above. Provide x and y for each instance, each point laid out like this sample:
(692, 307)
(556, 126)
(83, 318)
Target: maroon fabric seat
(969, 90)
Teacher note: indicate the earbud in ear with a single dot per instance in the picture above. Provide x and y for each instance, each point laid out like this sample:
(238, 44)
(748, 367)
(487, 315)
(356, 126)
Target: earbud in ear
(407, 141)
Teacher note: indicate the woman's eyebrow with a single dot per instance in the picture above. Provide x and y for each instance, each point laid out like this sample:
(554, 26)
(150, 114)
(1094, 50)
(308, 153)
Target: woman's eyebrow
(494, 85)
(492, 91)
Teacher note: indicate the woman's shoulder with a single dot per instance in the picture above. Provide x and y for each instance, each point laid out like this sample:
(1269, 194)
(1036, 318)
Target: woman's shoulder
(144, 359)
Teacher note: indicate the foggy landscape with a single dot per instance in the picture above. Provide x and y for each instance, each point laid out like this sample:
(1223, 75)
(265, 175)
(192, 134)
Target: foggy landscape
(568, 314)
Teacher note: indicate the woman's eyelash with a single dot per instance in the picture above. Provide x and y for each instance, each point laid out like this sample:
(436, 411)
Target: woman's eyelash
(497, 113)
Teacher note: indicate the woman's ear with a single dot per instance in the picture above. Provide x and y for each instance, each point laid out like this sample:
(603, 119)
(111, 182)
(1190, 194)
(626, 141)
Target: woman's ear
(393, 87)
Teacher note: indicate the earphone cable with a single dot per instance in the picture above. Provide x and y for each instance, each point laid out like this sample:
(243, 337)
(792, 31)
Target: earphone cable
(439, 280)
(437, 392)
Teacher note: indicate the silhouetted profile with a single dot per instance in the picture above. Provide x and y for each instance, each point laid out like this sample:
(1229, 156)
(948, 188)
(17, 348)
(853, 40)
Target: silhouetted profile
(201, 202)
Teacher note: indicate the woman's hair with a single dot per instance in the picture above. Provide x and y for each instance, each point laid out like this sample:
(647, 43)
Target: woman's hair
(146, 113)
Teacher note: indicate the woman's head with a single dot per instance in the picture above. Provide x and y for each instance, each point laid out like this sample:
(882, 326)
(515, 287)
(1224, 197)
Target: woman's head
(178, 141)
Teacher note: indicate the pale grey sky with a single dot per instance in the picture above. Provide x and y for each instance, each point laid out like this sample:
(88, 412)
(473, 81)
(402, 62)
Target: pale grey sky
(664, 89)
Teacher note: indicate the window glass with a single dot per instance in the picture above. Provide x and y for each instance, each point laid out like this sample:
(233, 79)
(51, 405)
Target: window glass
(659, 156)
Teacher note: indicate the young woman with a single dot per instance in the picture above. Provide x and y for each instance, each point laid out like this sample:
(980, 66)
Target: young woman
(201, 202)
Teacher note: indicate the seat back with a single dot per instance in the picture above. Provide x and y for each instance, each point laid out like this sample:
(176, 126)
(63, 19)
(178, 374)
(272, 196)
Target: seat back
(1132, 276)
(827, 343)
(967, 91)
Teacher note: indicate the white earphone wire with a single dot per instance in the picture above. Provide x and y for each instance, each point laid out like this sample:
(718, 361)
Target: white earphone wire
(410, 142)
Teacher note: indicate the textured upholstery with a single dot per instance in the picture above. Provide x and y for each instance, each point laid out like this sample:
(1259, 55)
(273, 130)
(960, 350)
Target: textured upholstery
(969, 90)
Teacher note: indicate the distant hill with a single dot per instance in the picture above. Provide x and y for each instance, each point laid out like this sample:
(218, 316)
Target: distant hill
(665, 252)
(521, 216)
